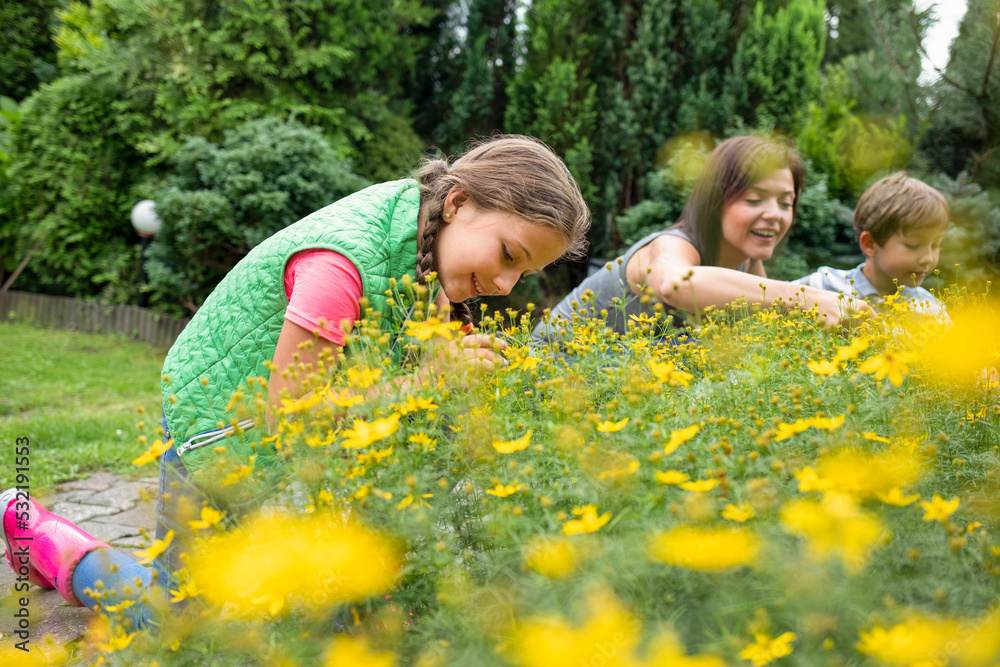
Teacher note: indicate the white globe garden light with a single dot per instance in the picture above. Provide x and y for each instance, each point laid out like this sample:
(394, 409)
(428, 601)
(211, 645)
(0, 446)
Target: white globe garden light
(144, 218)
(147, 223)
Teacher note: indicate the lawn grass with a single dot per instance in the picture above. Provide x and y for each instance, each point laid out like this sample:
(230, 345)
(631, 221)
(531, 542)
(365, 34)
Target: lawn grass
(76, 396)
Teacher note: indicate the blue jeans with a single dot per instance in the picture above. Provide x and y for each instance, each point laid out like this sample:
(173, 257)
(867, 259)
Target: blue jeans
(122, 578)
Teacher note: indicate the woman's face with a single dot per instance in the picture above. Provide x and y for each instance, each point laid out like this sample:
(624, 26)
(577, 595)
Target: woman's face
(756, 221)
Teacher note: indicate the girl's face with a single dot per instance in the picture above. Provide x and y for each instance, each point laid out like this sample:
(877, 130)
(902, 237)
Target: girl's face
(754, 224)
(483, 252)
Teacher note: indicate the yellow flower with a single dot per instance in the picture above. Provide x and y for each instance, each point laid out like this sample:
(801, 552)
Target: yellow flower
(511, 446)
(501, 491)
(891, 365)
(413, 404)
(766, 649)
(923, 640)
(209, 517)
(939, 509)
(147, 556)
(555, 558)
(679, 437)
(972, 526)
(185, 591)
(824, 367)
(700, 485)
(335, 560)
(291, 406)
(868, 435)
(671, 477)
(894, 496)
(409, 499)
(667, 373)
(364, 433)
(423, 440)
(344, 399)
(609, 632)
(611, 427)
(350, 652)
(362, 376)
(665, 650)
(742, 512)
(786, 431)
(706, 548)
(432, 327)
(834, 526)
(153, 453)
(588, 522)
(241, 472)
(863, 474)
(857, 346)
(621, 466)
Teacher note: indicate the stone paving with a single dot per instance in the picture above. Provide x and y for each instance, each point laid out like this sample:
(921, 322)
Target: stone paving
(108, 507)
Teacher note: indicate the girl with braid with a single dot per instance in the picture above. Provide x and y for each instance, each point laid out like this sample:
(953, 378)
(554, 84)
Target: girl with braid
(506, 208)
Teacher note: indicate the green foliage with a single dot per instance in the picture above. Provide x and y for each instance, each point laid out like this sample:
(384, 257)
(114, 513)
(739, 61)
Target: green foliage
(71, 174)
(973, 239)
(966, 118)
(222, 200)
(849, 146)
(776, 66)
(198, 68)
(28, 56)
(476, 69)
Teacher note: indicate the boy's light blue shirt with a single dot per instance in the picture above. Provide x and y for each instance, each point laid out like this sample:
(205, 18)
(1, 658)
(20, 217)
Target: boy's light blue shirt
(839, 280)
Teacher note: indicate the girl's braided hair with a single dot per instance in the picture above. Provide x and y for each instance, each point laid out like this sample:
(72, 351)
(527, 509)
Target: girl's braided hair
(511, 174)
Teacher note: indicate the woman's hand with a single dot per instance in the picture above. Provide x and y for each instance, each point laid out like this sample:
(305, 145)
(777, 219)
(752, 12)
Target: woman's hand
(833, 310)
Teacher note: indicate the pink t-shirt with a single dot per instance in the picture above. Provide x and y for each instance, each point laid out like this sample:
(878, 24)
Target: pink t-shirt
(323, 285)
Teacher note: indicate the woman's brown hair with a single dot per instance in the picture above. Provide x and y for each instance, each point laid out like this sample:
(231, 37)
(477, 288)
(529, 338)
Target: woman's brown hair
(734, 166)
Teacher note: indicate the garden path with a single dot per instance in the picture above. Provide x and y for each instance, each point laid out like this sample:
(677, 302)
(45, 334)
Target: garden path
(109, 507)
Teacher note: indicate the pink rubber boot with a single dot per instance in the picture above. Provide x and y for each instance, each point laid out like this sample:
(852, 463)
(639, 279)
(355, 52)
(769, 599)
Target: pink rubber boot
(51, 547)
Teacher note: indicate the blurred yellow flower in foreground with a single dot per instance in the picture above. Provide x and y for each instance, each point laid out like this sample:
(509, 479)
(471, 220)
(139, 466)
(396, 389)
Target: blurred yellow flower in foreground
(611, 427)
(679, 437)
(432, 327)
(277, 562)
(706, 548)
(362, 376)
(511, 446)
(671, 477)
(700, 485)
(891, 365)
(767, 649)
(147, 556)
(786, 431)
(501, 491)
(930, 640)
(939, 509)
(666, 650)
(667, 373)
(834, 526)
(895, 497)
(350, 652)
(961, 352)
(848, 352)
(588, 522)
(553, 557)
(365, 433)
(153, 453)
(824, 367)
(863, 474)
(209, 517)
(609, 635)
(740, 513)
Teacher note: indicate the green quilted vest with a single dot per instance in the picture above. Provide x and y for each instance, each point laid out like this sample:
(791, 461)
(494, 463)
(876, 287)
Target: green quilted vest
(235, 332)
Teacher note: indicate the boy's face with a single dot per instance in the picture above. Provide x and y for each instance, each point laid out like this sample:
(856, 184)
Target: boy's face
(908, 257)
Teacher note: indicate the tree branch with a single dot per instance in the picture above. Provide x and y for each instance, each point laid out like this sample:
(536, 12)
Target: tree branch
(892, 59)
(923, 54)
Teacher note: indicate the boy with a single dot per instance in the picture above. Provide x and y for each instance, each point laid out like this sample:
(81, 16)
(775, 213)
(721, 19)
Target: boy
(900, 222)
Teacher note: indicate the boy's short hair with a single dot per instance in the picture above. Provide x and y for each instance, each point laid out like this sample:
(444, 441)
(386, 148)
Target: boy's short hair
(899, 203)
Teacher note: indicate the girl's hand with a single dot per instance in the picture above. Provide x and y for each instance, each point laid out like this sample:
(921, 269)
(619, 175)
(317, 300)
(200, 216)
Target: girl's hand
(479, 350)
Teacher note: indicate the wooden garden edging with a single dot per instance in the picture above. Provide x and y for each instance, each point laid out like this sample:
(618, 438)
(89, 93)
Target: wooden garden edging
(57, 312)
